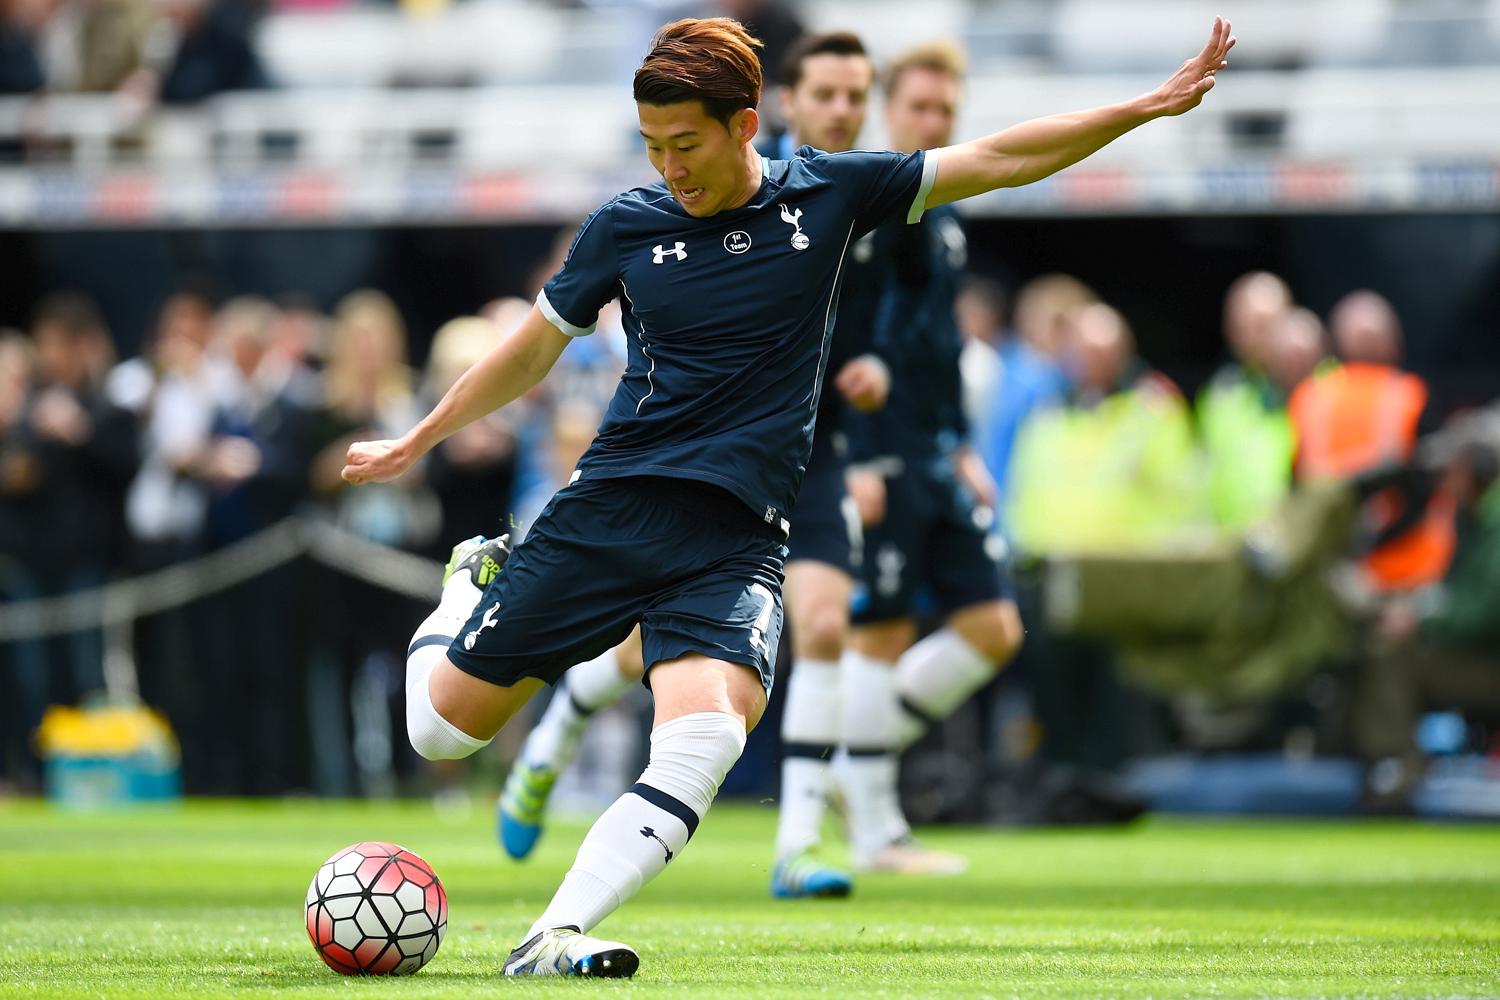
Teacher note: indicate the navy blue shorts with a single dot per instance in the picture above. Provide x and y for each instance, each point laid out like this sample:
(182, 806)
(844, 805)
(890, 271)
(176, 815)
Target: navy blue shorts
(825, 523)
(937, 550)
(686, 560)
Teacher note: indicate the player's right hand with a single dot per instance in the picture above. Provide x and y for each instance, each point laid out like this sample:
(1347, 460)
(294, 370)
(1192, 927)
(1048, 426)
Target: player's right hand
(865, 382)
(376, 461)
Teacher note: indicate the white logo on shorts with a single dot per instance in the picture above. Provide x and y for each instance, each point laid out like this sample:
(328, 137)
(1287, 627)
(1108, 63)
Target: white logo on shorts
(490, 617)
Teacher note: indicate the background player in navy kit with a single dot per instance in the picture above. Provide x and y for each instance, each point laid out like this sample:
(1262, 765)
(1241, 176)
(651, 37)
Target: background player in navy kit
(825, 87)
(713, 418)
(825, 90)
(935, 535)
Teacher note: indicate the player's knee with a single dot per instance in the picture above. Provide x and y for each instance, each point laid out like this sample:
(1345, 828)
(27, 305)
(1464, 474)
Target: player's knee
(431, 735)
(821, 636)
(691, 754)
(993, 629)
(884, 641)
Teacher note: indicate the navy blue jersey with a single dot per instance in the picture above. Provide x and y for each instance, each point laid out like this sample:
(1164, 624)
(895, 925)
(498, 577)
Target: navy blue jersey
(916, 331)
(853, 329)
(728, 317)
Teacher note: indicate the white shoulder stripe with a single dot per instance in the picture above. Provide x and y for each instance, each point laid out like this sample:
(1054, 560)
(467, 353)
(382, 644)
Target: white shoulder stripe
(929, 176)
(555, 318)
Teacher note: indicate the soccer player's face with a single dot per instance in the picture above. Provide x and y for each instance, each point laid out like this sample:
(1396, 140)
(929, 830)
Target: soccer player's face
(826, 109)
(701, 159)
(921, 109)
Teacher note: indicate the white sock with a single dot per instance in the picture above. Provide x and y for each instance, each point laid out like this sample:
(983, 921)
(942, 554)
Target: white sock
(867, 766)
(431, 735)
(935, 677)
(583, 690)
(650, 824)
(809, 733)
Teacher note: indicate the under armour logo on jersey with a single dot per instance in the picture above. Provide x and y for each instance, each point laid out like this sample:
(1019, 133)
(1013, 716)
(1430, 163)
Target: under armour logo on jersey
(799, 238)
(490, 617)
(646, 831)
(659, 253)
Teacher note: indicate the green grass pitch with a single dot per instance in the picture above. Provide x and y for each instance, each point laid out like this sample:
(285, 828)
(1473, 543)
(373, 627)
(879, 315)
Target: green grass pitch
(206, 900)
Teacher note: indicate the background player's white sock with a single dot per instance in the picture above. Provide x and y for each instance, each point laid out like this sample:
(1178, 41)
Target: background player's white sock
(867, 763)
(936, 676)
(584, 689)
(809, 734)
(650, 824)
(431, 735)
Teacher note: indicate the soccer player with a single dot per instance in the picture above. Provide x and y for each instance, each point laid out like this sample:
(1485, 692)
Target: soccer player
(728, 273)
(936, 537)
(825, 88)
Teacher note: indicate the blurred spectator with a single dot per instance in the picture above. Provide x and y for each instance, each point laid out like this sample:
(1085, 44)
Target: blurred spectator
(369, 394)
(254, 467)
(86, 449)
(173, 392)
(67, 456)
(1031, 374)
(1364, 416)
(979, 310)
(1436, 648)
(1114, 469)
(299, 341)
(92, 46)
(473, 472)
(1242, 416)
(571, 428)
(361, 628)
(23, 665)
(20, 65)
(1299, 347)
(195, 49)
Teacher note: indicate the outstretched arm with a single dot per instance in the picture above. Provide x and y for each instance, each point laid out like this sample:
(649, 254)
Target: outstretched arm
(1039, 148)
(514, 366)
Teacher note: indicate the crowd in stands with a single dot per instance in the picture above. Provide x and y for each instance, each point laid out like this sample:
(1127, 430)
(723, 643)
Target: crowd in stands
(181, 52)
(236, 416)
(1308, 512)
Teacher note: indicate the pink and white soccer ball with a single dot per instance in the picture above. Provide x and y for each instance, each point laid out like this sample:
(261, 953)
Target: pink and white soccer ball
(376, 909)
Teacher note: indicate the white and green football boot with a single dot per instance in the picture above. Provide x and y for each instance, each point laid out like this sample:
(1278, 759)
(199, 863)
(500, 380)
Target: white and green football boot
(523, 806)
(803, 876)
(482, 558)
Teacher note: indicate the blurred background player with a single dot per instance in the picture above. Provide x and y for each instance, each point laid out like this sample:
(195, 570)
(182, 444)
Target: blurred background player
(934, 534)
(824, 95)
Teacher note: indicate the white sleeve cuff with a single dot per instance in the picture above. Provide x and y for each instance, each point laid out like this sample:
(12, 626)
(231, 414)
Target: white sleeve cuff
(555, 318)
(929, 175)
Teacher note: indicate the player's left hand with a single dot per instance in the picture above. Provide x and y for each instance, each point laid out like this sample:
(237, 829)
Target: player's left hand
(1185, 89)
(865, 382)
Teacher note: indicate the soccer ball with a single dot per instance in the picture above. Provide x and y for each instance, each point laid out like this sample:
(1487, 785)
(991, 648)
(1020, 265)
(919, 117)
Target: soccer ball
(376, 909)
